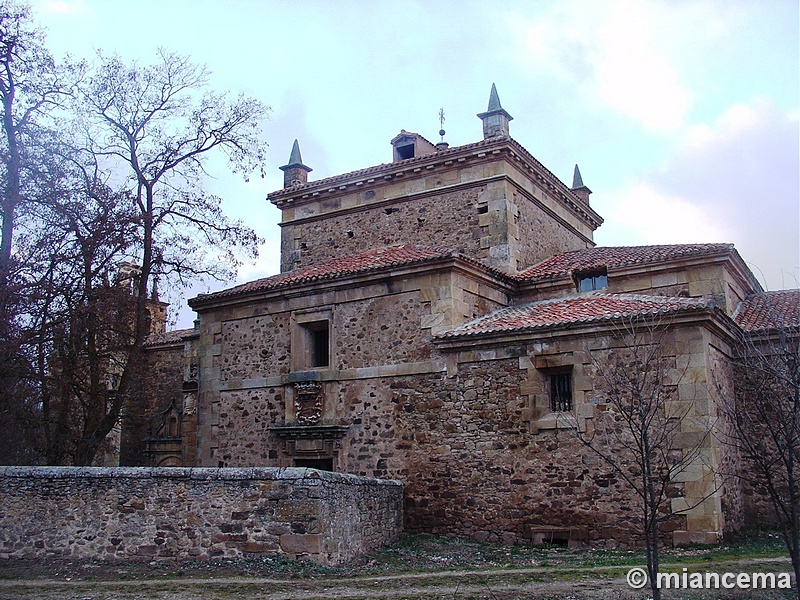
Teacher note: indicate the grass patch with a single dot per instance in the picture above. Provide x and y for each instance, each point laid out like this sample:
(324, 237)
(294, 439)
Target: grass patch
(413, 556)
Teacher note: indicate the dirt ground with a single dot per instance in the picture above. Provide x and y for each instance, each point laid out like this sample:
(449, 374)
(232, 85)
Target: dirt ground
(417, 568)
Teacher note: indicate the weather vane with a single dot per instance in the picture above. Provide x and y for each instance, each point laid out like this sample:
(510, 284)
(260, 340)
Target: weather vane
(441, 123)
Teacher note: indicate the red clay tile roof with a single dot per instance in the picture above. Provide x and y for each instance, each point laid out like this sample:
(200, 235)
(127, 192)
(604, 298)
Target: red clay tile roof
(378, 258)
(336, 179)
(617, 256)
(589, 308)
(169, 337)
(769, 310)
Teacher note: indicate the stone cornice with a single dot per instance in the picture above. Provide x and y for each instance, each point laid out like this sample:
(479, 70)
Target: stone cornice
(482, 151)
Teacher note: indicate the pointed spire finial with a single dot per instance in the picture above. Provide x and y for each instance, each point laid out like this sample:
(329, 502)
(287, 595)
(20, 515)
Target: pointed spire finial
(578, 187)
(295, 172)
(495, 119)
(577, 180)
(494, 100)
(294, 157)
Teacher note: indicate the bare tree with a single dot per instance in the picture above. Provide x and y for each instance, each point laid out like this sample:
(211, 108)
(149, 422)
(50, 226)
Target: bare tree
(30, 86)
(123, 181)
(764, 413)
(79, 321)
(158, 125)
(637, 423)
(155, 127)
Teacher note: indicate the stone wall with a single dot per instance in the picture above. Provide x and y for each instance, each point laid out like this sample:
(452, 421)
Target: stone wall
(165, 367)
(467, 428)
(479, 201)
(380, 328)
(553, 232)
(202, 513)
(420, 220)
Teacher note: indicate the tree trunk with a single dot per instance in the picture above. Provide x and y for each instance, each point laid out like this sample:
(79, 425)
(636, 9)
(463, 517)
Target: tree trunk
(12, 191)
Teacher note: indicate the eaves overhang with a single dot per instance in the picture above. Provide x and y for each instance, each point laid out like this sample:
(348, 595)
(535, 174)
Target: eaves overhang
(711, 316)
(484, 150)
(726, 253)
(454, 262)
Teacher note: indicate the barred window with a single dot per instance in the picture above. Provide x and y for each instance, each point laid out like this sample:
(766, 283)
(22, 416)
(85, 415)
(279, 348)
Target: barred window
(561, 392)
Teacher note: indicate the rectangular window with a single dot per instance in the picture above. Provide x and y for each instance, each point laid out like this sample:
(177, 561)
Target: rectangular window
(312, 334)
(316, 344)
(588, 282)
(561, 392)
(320, 342)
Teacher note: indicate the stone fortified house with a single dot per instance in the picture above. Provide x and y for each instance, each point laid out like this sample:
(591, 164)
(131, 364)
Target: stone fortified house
(436, 321)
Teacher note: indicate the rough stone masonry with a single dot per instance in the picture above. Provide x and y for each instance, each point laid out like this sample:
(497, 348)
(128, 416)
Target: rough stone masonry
(177, 513)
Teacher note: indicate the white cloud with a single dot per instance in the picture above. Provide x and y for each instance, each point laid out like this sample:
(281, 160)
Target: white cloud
(736, 180)
(636, 57)
(634, 73)
(64, 7)
(641, 214)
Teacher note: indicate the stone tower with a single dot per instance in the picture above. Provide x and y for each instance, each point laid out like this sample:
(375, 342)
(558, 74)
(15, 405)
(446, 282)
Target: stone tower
(490, 200)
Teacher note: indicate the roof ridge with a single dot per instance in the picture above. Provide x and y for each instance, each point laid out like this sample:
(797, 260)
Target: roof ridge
(167, 337)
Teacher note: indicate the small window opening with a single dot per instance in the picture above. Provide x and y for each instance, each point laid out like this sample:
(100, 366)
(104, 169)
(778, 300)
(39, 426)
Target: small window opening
(482, 210)
(404, 152)
(390, 210)
(320, 356)
(596, 280)
(561, 392)
(314, 345)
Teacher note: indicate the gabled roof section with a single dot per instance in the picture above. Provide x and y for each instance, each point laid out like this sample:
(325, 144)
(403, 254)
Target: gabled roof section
(769, 310)
(618, 256)
(593, 308)
(362, 262)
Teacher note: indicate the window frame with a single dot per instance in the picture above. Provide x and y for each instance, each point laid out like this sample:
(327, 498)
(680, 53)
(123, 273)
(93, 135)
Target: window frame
(597, 278)
(561, 379)
(309, 330)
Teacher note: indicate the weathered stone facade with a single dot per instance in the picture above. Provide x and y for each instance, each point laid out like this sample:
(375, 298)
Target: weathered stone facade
(151, 513)
(493, 190)
(424, 311)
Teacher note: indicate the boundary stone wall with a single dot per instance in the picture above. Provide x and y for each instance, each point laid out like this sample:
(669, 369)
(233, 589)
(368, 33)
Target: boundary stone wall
(201, 513)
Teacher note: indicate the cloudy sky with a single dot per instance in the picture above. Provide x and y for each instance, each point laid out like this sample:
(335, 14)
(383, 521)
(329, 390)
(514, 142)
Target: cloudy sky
(683, 116)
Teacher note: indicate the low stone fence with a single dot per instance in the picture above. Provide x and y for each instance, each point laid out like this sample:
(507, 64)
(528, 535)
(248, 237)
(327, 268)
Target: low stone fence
(176, 513)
